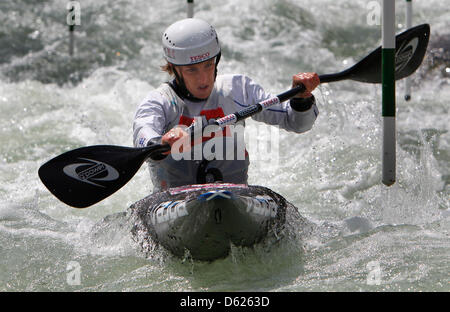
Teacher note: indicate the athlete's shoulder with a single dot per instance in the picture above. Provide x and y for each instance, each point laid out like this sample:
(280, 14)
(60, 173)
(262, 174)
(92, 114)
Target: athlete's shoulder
(152, 97)
(233, 77)
(157, 95)
(234, 81)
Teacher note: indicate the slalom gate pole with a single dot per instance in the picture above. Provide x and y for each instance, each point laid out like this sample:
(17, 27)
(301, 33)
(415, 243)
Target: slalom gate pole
(190, 8)
(408, 25)
(388, 93)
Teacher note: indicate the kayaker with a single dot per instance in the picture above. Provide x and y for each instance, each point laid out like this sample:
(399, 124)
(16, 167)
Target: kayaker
(192, 51)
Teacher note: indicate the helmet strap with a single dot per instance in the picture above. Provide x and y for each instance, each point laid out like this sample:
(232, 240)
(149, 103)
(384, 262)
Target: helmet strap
(180, 89)
(217, 63)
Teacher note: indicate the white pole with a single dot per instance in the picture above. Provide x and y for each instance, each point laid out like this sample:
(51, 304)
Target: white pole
(388, 93)
(408, 25)
(190, 8)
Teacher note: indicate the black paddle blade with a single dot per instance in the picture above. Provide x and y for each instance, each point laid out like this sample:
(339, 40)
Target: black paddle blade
(85, 176)
(410, 48)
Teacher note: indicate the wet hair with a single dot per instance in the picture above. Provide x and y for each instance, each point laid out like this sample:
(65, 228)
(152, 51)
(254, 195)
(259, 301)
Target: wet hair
(168, 68)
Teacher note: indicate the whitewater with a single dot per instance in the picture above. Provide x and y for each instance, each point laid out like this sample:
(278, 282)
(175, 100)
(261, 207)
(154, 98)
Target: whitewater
(360, 236)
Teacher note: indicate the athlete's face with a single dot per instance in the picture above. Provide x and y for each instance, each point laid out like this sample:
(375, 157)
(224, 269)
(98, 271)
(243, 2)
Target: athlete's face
(198, 78)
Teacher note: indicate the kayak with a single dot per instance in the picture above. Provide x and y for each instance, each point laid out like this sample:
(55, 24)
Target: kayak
(205, 219)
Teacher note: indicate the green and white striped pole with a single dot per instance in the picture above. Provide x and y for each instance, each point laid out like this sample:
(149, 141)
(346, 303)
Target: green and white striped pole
(190, 8)
(388, 93)
(408, 25)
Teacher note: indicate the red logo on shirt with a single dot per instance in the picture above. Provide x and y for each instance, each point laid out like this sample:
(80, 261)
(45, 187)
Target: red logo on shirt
(209, 114)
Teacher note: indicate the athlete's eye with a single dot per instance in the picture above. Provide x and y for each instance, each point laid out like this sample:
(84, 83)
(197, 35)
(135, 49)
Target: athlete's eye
(209, 64)
(191, 70)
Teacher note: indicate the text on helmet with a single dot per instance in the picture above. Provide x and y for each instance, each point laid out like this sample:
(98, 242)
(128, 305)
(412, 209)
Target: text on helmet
(199, 57)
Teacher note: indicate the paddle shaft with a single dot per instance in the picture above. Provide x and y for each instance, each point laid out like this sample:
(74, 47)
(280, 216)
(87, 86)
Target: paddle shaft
(258, 107)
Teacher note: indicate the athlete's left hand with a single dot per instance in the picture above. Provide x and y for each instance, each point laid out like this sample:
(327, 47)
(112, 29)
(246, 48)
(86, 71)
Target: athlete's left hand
(172, 136)
(309, 80)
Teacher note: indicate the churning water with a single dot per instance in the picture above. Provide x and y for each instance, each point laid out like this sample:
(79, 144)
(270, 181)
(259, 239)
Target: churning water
(361, 235)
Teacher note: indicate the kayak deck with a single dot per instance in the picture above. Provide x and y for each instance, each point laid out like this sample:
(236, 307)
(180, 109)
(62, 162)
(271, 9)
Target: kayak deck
(206, 219)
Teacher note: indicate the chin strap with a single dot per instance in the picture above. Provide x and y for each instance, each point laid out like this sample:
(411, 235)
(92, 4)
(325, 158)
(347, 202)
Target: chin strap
(217, 63)
(179, 86)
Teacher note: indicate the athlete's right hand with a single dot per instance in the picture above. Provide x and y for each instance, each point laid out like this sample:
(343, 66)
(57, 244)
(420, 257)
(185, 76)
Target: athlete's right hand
(172, 136)
(309, 80)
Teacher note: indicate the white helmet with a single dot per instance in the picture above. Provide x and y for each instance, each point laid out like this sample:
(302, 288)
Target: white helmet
(190, 41)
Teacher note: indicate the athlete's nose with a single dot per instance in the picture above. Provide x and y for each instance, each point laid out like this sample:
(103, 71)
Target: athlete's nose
(203, 77)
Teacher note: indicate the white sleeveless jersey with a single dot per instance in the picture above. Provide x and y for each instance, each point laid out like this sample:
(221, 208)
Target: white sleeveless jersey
(162, 110)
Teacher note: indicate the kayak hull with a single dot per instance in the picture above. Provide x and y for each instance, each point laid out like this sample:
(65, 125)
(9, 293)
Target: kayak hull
(204, 220)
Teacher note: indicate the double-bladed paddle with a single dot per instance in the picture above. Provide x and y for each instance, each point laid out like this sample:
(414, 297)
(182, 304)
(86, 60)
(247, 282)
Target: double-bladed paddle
(87, 175)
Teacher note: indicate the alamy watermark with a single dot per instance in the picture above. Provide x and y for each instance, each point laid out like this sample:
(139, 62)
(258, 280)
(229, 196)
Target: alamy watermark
(73, 277)
(375, 274)
(74, 16)
(373, 17)
(231, 143)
